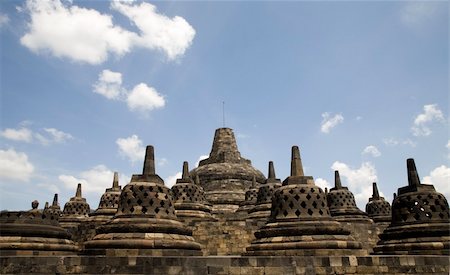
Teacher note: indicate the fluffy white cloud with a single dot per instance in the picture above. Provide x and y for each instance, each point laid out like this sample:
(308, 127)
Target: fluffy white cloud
(157, 31)
(15, 165)
(4, 19)
(94, 180)
(74, 32)
(421, 122)
(322, 183)
(202, 157)
(440, 178)
(359, 181)
(52, 135)
(109, 85)
(144, 98)
(86, 35)
(371, 150)
(131, 148)
(329, 122)
(171, 180)
(418, 12)
(22, 134)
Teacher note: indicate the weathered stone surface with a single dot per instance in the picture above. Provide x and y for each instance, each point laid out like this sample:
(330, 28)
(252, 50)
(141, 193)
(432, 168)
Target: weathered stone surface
(225, 175)
(300, 222)
(189, 198)
(145, 222)
(420, 220)
(263, 204)
(378, 209)
(76, 210)
(109, 202)
(250, 200)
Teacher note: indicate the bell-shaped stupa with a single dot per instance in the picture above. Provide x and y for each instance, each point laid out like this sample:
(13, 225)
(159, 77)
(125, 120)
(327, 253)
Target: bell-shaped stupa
(145, 222)
(250, 199)
(34, 232)
(263, 203)
(225, 175)
(109, 202)
(76, 210)
(378, 209)
(300, 221)
(54, 209)
(341, 203)
(420, 220)
(189, 198)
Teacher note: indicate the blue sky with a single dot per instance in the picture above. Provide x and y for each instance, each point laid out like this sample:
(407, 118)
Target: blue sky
(85, 85)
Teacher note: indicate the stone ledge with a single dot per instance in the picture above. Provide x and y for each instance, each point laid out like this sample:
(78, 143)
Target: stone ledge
(225, 265)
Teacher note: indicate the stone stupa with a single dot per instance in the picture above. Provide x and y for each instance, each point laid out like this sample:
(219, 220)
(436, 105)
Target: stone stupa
(300, 223)
(263, 203)
(76, 210)
(145, 222)
(420, 220)
(250, 199)
(35, 232)
(378, 209)
(225, 175)
(342, 205)
(109, 202)
(189, 198)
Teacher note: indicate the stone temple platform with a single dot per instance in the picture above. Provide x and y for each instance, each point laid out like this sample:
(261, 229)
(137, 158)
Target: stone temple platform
(142, 233)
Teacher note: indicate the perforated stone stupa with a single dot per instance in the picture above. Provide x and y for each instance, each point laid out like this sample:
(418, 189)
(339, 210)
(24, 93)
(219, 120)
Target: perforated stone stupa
(420, 220)
(225, 175)
(300, 221)
(265, 194)
(378, 209)
(250, 199)
(341, 203)
(33, 232)
(109, 202)
(188, 198)
(76, 210)
(145, 222)
(55, 209)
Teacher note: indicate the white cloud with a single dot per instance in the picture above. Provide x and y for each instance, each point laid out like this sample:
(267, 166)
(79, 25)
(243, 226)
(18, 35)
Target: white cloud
(416, 13)
(421, 122)
(53, 188)
(440, 178)
(131, 148)
(448, 144)
(52, 135)
(15, 165)
(359, 181)
(395, 142)
(22, 134)
(4, 19)
(109, 85)
(322, 183)
(371, 150)
(157, 31)
(94, 180)
(86, 35)
(329, 122)
(74, 32)
(171, 180)
(202, 157)
(144, 98)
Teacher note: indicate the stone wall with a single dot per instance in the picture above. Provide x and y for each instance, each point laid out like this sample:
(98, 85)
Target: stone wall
(226, 265)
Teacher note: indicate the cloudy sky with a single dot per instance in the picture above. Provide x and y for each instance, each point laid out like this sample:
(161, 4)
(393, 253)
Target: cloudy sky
(85, 85)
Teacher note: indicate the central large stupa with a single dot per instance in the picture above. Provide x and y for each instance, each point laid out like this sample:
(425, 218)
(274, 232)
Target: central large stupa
(225, 175)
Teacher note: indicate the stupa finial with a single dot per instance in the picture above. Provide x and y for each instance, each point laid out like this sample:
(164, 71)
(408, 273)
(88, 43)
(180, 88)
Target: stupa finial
(46, 205)
(197, 180)
(185, 170)
(55, 200)
(413, 176)
(296, 162)
(271, 174)
(149, 161)
(78, 193)
(116, 180)
(337, 180)
(326, 190)
(375, 194)
(254, 182)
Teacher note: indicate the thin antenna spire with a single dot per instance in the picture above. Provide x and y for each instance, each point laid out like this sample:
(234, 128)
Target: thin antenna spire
(223, 113)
